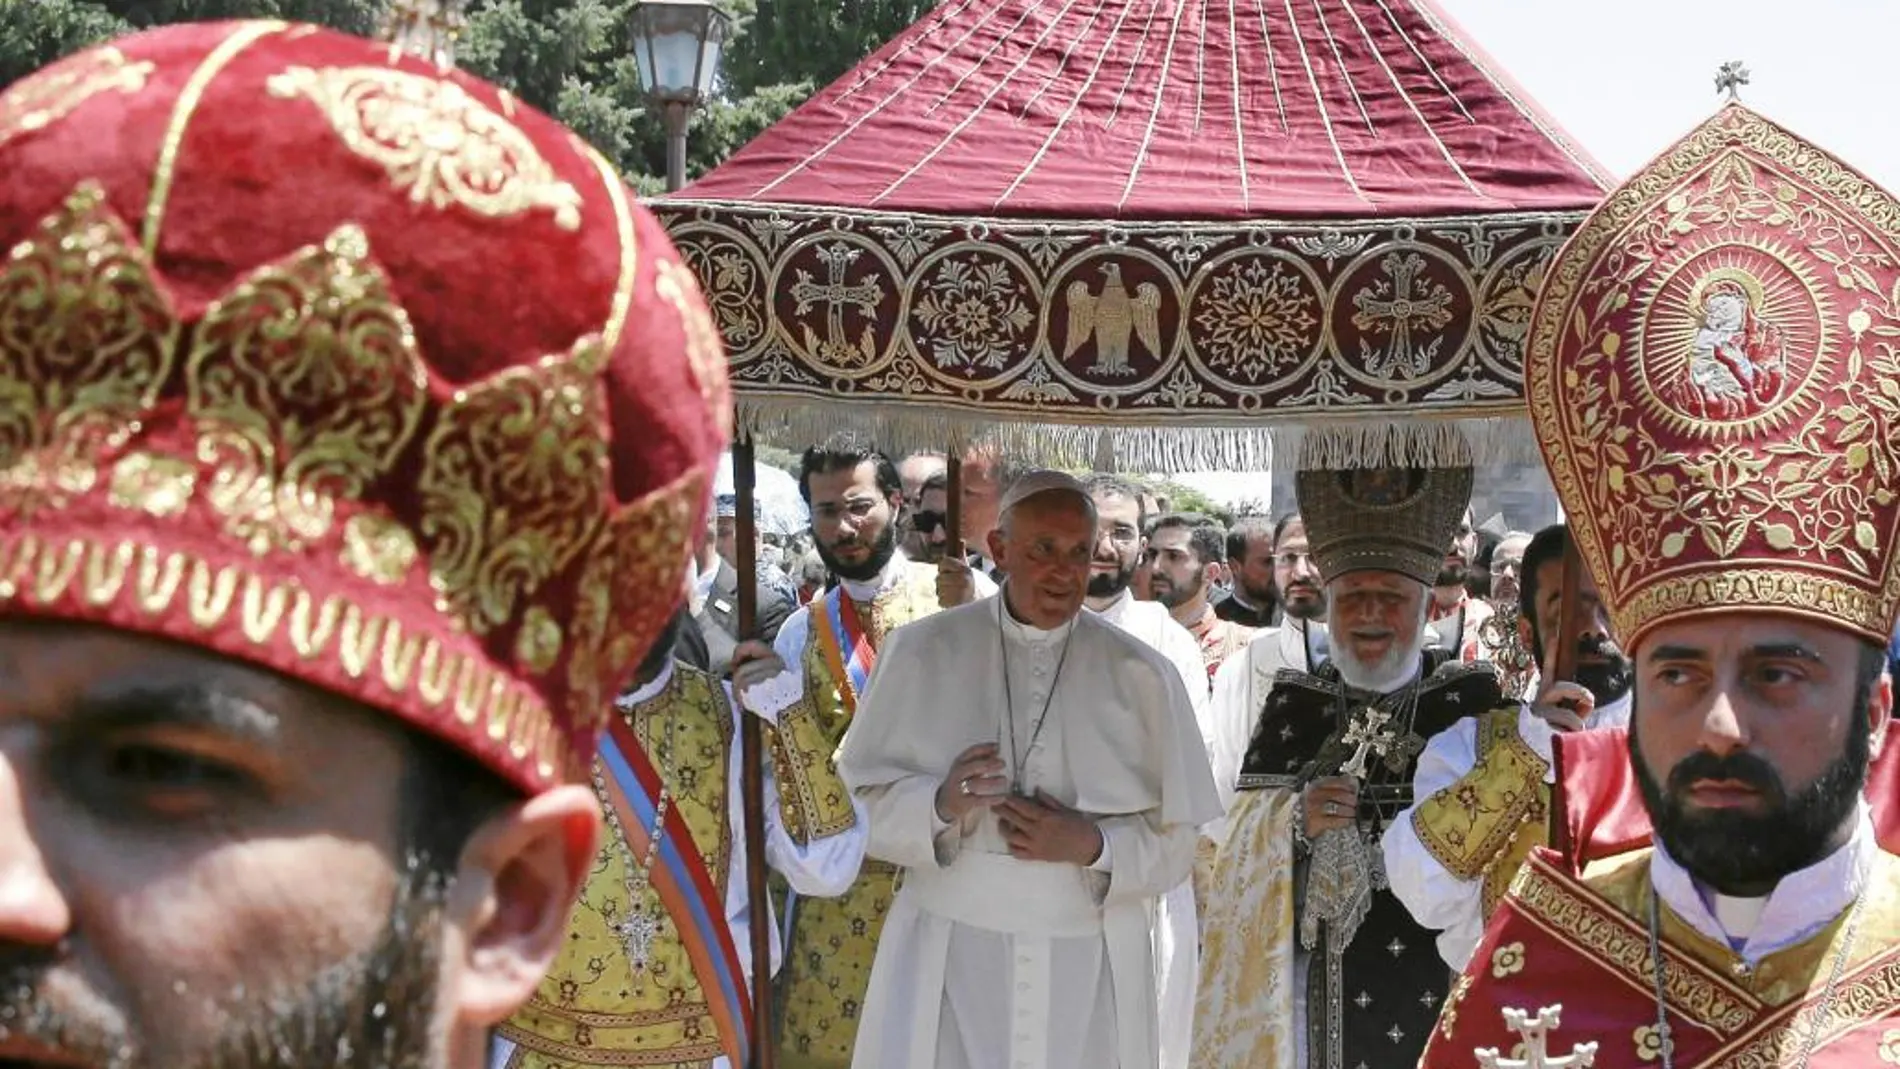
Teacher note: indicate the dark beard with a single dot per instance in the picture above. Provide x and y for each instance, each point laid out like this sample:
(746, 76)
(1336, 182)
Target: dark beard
(1178, 596)
(881, 553)
(372, 1011)
(1608, 679)
(1109, 586)
(1730, 851)
(1450, 575)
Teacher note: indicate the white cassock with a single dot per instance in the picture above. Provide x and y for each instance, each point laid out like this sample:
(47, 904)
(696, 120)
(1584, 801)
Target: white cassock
(1241, 685)
(987, 961)
(1437, 898)
(1177, 928)
(822, 868)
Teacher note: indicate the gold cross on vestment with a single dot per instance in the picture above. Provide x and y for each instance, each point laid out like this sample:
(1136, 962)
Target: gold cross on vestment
(1536, 1032)
(1367, 732)
(1730, 78)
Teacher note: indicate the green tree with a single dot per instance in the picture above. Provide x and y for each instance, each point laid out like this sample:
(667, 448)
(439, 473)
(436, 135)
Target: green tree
(571, 58)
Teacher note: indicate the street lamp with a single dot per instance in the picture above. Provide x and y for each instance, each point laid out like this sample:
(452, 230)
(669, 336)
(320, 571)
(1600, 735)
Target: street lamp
(677, 44)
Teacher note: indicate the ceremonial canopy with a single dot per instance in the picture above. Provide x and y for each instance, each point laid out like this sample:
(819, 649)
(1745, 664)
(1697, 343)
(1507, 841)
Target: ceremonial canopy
(1154, 214)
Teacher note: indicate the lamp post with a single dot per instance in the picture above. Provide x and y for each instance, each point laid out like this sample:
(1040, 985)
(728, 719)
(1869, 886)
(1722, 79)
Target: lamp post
(677, 44)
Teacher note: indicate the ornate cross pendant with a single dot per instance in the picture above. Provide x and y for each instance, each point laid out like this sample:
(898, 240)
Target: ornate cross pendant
(1536, 1032)
(637, 930)
(1368, 733)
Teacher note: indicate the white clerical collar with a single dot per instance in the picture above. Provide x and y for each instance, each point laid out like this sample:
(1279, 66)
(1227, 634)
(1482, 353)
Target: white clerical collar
(1117, 608)
(1615, 714)
(1802, 904)
(867, 589)
(646, 693)
(1018, 631)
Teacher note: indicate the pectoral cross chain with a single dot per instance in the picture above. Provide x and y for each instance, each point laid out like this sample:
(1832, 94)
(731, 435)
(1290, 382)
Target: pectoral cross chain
(1536, 1032)
(1368, 733)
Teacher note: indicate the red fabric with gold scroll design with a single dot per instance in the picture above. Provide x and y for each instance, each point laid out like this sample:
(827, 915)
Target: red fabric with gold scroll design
(1599, 811)
(1553, 942)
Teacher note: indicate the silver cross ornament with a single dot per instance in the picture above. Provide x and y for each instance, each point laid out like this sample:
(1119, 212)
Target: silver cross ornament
(1730, 78)
(1536, 1032)
(637, 930)
(1367, 732)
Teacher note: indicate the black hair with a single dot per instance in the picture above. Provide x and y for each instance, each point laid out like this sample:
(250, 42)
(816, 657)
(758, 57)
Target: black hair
(937, 480)
(1549, 544)
(844, 451)
(1280, 526)
(1116, 486)
(445, 796)
(1205, 536)
(1245, 530)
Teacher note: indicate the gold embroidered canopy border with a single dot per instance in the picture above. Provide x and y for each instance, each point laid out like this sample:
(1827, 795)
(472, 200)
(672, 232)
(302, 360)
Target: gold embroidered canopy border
(1148, 224)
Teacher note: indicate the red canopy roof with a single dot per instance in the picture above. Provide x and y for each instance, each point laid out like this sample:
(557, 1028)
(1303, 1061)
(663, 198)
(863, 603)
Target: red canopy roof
(1169, 109)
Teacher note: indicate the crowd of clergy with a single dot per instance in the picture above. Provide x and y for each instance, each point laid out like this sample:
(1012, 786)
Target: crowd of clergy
(372, 675)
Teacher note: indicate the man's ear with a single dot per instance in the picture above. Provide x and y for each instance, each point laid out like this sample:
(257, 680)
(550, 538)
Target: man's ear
(519, 877)
(997, 547)
(1526, 634)
(1880, 713)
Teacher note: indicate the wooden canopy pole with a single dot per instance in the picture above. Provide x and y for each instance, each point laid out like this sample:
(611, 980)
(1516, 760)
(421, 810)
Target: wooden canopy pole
(953, 506)
(752, 762)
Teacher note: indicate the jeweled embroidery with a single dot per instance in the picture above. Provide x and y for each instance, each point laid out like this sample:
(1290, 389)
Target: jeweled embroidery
(444, 146)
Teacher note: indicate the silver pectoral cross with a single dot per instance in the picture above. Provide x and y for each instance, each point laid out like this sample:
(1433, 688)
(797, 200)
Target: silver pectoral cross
(1367, 733)
(637, 931)
(1536, 1032)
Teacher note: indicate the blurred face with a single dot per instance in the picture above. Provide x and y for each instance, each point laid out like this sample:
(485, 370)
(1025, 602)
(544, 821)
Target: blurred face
(1178, 578)
(1254, 574)
(185, 884)
(1046, 553)
(1302, 595)
(1378, 628)
(932, 524)
(982, 497)
(1602, 667)
(726, 539)
(1464, 547)
(1751, 738)
(851, 521)
(914, 471)
(1506, 562)
(1117, 545)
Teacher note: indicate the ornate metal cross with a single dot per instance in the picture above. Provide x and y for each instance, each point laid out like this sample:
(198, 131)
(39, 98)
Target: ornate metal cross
(1369, 734)
(837, 347)
(637, 930)
(1536, 1033)
(1730, 78)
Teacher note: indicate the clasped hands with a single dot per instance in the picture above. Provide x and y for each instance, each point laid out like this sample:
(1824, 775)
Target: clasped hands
(1036, 829)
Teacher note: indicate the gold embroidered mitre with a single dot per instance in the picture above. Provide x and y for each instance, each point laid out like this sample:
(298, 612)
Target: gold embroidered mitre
(1713, 379)
(315, 354)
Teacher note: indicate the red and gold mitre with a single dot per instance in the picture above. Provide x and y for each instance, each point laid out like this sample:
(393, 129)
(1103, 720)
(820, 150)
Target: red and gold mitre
(1714, 376)
(319, 355)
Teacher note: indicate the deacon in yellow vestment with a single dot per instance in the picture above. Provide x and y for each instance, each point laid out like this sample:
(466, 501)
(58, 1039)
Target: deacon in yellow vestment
(637, 982)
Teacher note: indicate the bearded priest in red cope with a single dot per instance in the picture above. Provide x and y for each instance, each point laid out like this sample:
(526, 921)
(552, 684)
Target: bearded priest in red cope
(1746, 553)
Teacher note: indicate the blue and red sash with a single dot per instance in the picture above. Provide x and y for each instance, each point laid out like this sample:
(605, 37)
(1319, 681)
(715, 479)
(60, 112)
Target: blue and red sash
(847, 647)
(684, 885)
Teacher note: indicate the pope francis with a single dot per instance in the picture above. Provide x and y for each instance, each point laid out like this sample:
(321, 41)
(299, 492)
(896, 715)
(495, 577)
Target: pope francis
(1039, 776)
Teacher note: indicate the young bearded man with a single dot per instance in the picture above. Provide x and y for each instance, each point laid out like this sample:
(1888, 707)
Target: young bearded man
(1188, 552)
(1760, 924)
(1483, 787)
(336, 504)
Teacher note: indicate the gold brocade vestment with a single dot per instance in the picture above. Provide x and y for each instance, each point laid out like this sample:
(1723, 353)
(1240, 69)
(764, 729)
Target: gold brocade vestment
(597, 1007)
(833, 940)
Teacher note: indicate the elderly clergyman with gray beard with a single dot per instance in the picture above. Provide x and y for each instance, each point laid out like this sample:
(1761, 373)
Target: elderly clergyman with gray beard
(1329, 766)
